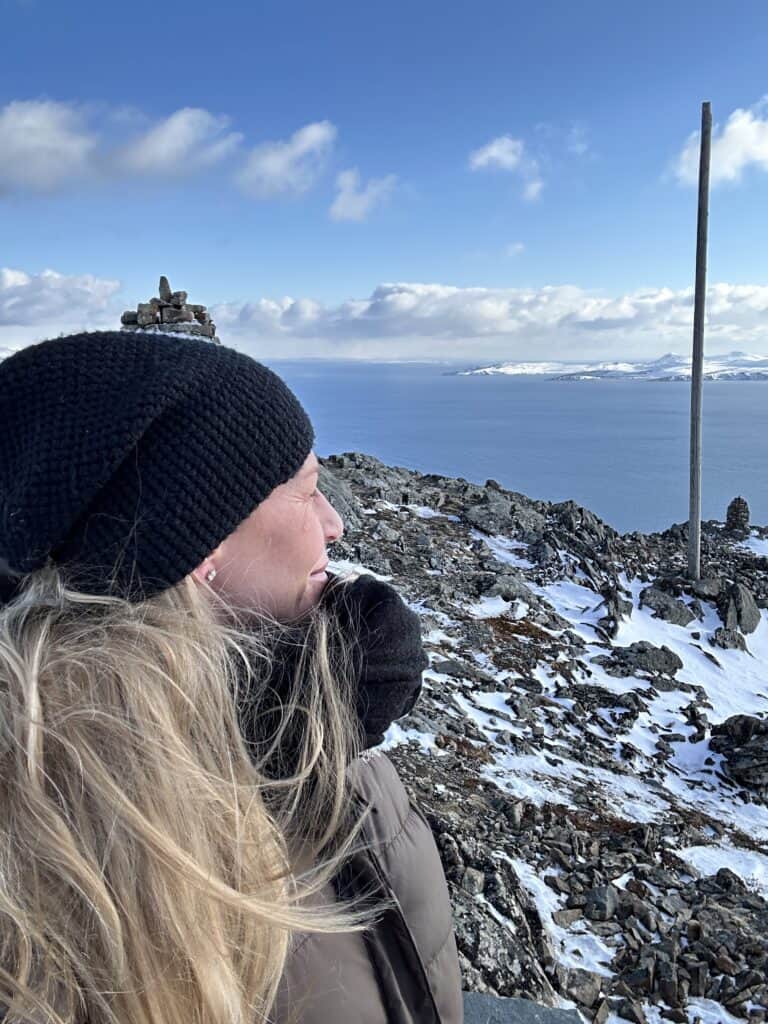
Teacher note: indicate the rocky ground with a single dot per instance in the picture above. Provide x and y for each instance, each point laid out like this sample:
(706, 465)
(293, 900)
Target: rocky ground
(591, 745)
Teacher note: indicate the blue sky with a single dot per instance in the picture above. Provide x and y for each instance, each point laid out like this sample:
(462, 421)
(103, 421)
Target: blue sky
(519, 172)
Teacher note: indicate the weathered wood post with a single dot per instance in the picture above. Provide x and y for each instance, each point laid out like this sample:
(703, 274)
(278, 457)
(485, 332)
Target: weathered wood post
(694, 513)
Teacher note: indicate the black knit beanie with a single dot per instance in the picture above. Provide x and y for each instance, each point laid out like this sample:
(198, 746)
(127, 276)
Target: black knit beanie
(128, 457)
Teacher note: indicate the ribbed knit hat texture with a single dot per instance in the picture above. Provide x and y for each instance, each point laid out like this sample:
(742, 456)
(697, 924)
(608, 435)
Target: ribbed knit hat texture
(129, 457)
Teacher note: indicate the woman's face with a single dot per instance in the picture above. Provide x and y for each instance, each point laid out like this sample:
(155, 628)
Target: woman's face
(274, 560)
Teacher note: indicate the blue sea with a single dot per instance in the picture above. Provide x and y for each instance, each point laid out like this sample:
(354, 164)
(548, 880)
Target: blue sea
(619, 448)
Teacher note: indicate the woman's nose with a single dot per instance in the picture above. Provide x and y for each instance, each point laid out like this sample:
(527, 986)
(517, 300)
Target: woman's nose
(333, 523)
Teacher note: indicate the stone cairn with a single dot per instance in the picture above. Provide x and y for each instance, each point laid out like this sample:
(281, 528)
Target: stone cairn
(169, 313)
(737, 518)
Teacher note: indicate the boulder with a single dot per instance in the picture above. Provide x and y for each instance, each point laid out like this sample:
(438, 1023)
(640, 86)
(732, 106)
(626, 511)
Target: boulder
(172, 315)
(641, 656)
(738, 609)
(583, 986)
(480, 1008)
(666, 607)
(743, 742)
(146, 314)
(511, 587)
(601, 903)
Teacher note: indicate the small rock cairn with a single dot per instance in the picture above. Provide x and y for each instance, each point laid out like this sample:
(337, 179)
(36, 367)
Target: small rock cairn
(169, 313)
(737, 518)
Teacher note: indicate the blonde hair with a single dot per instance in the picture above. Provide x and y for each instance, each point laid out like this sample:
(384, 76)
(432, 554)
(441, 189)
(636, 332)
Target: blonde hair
(152, 864)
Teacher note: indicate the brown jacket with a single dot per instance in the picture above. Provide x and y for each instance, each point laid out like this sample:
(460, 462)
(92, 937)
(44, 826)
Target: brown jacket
(404, 970)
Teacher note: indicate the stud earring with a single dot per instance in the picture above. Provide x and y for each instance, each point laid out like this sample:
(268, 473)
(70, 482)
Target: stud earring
(210, 575)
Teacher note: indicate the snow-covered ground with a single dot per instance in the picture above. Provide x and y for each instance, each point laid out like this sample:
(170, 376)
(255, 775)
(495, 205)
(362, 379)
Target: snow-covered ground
(736, 682)
(548, 734)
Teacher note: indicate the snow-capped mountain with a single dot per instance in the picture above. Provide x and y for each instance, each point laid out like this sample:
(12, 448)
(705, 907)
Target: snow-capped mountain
(731, 366)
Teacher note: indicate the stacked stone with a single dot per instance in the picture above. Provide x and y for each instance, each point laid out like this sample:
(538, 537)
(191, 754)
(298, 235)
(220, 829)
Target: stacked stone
(737, 518)
(169, 312)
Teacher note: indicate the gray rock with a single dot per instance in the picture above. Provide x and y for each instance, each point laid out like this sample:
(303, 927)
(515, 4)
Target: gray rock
(130, 316)
(491, 514)
(584, 987)
(146, 313)
(480, 1008)
(641, 656)
(738, 609)
(631, 1010)
(616, 606)
(511, 587)
(665, 606)
(743, 742)
(601, 903)
(172, 315)
(706, 587)
(473, 881)
(564, 918)
(543, 553)
(164, 291)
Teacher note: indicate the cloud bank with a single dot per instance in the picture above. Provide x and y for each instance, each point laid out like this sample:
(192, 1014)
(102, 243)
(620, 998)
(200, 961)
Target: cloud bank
(420, 321)
(50, 298)
(410, 320)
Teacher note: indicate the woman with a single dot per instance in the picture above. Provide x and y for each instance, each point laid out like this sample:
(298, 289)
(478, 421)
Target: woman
(183, 817)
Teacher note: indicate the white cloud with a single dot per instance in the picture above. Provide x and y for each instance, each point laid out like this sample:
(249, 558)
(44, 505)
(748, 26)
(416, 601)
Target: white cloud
(515, 248)
(275, 168)
(508, 154)
(42, 145)
(410, 320)
(503, 152)
(354, 202)
(45, 145)
(189, 139)
(58, 300)
(742, 143)
(414, 320)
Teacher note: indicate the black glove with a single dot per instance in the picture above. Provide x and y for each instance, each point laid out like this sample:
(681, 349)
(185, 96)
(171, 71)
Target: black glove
(386, 638)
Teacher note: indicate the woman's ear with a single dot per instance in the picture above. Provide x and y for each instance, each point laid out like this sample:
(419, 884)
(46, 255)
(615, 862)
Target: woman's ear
(211, 561)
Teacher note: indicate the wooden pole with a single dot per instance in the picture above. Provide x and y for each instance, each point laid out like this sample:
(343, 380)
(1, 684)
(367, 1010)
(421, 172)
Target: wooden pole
(694, 513)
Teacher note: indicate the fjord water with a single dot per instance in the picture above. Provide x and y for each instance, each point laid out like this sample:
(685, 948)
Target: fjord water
(618, 447)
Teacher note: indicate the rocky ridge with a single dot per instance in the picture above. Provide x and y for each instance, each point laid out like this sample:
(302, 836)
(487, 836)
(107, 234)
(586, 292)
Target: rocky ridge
(591, 744)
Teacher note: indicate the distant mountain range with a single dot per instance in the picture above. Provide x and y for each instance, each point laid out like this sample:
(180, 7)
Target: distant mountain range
(732, 366)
